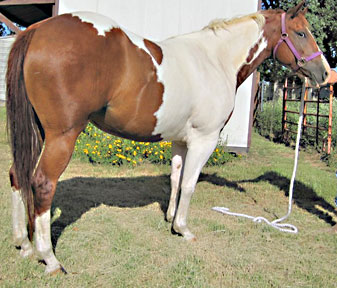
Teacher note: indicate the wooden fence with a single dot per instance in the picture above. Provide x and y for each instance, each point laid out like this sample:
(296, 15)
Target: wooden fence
(315, 98)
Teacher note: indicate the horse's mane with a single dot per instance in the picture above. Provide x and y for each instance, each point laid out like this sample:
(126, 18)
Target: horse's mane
(219, 24)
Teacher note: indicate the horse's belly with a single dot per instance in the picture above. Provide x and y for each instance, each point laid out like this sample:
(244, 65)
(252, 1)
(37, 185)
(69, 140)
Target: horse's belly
(122, 125)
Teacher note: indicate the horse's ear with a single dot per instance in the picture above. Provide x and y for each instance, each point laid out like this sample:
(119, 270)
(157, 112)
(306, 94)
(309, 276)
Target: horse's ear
(300, 8)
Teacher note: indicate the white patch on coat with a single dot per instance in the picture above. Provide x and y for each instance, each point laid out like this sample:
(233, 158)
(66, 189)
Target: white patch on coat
(101, 23)
(199, 73)
(262, 46)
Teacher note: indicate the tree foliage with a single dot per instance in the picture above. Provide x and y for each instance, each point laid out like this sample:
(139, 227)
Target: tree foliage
(2, 30)
(322, 17)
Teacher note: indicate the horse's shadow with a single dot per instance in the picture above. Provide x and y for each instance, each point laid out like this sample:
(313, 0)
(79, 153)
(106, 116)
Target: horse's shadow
(76, 196)
(304, 196)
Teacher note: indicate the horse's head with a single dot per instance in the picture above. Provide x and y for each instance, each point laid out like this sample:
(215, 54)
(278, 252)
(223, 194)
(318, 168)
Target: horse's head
(297, 47)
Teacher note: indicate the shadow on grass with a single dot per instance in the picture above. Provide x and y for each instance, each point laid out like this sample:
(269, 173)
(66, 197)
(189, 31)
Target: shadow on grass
(304, 196)
(78, 195)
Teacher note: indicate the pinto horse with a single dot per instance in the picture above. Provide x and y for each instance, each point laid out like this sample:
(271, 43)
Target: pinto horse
(82, 67)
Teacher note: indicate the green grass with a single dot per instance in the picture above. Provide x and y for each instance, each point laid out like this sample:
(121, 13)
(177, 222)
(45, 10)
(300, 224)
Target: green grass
(112, 233)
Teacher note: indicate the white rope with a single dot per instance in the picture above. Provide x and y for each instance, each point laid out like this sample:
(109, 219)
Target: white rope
(284, 227)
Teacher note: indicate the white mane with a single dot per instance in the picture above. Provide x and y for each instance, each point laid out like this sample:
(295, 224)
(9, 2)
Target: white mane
(218, 24)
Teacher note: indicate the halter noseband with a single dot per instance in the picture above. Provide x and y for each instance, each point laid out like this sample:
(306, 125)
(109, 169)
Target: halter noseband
(301, 61)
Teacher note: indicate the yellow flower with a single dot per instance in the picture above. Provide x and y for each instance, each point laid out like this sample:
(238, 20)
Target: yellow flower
(134, 153)
(121, 156)
(110, 146)
(85, 151)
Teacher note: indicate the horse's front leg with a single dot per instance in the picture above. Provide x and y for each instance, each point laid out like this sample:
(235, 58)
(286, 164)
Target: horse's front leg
(197, 155)
(19, 223)
(178, 160)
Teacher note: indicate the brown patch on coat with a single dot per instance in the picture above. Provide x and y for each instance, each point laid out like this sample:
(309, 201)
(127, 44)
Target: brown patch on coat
(155, 50)
(106, 79)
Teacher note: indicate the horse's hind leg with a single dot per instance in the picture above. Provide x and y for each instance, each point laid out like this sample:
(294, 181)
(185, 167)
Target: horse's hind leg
(19, 223)
(54, 159)
(178, 159)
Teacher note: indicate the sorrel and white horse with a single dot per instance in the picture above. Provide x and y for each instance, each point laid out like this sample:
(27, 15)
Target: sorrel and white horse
(82, 67)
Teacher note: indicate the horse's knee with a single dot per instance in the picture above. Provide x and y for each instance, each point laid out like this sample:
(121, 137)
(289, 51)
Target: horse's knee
(43, 189)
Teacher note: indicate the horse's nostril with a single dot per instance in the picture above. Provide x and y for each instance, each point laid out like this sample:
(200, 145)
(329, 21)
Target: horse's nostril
(326, 74)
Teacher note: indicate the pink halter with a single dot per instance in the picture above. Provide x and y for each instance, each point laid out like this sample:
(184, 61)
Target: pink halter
(301, 61)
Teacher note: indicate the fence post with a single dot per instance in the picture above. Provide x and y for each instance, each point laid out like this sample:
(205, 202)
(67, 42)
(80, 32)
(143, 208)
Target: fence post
(330, 119)
(317, 117)
(284, 107)
(306, 89)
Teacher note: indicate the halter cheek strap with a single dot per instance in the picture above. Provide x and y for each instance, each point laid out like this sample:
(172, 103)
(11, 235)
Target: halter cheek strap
(301, 61)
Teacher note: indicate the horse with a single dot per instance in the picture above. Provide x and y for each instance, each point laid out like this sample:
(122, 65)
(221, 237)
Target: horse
(82, 67)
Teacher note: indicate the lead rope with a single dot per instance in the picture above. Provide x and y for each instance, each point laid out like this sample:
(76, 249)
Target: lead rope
(284, 227)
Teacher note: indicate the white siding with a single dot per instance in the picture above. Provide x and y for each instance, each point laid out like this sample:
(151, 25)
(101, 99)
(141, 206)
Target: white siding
(5, 44)
(160, 19)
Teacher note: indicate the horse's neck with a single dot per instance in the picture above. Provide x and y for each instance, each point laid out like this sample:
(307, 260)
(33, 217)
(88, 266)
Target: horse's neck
(235, 49)
(264, 47)
(238, 42)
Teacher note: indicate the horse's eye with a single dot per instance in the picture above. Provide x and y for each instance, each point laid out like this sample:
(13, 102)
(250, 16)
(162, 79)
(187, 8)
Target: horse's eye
(301, 34)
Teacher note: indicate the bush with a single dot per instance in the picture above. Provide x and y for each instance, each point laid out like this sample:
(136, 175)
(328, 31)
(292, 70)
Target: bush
(95, 146)
(268, 123)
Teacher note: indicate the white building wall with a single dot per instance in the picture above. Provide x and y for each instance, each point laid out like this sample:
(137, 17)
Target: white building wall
(5, 45)
(160, 19)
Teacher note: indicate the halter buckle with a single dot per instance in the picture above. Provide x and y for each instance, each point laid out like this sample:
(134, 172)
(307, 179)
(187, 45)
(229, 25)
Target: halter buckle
(301, 62)
(284, 36)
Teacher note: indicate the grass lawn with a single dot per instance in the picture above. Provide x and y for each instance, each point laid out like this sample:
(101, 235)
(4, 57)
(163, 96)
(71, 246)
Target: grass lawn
(111, 230)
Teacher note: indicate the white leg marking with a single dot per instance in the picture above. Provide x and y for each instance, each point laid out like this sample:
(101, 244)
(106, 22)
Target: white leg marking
(197, 156)
(20, 234)
(43, 244)
(178, 159)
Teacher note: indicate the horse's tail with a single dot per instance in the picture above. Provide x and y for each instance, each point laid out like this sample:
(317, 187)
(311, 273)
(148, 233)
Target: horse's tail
(23, 126)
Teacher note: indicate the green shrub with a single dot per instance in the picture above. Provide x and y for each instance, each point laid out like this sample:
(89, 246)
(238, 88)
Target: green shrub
(95, 146)
(268, 123)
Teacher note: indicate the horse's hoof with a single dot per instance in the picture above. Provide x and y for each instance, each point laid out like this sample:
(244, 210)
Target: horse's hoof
(169, 218)
(190, 237)
(25, 253)
(26, 248)
(185, 232)
(53, 271)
